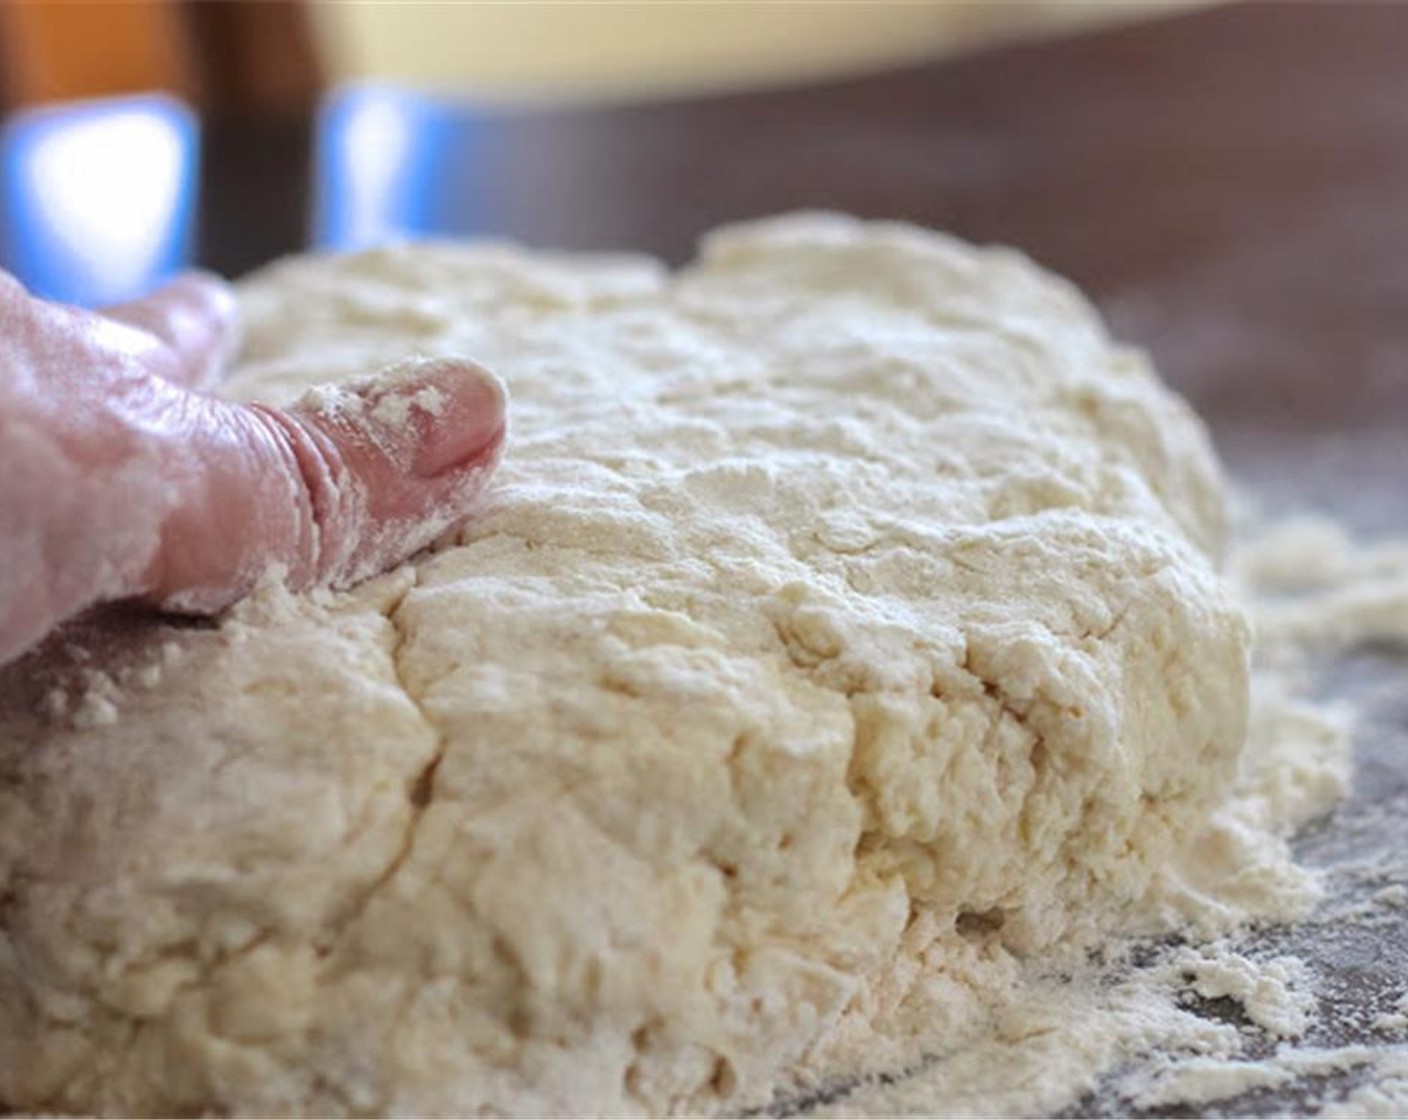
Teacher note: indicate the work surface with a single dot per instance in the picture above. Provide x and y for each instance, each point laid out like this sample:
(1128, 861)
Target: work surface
(1232, 188)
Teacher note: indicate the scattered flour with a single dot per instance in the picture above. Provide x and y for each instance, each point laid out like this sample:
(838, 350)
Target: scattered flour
(1382, 1090)
(1320, 591)
(389, 398)
(1395, 896)
(1273, 993)
(1395, 1021)
(1200, 1081)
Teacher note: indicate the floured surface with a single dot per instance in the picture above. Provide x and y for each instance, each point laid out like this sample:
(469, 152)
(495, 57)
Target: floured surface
(627, 801)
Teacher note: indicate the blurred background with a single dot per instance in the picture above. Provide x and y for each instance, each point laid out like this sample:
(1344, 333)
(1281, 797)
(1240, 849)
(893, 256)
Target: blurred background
(142, 135)
(614, 50)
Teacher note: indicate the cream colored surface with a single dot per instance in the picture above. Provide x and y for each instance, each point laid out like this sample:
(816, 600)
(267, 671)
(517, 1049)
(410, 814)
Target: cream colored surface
(609, 49)
(843, 630)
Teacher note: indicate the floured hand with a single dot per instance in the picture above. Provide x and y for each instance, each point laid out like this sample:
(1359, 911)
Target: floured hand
(120, 478)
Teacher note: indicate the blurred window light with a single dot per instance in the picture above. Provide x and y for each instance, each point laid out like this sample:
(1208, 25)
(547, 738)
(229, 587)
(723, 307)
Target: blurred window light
(99, 196)
(393, 164)
(374, 150)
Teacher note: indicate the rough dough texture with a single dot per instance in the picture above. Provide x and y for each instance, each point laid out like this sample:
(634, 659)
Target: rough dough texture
(842, 627)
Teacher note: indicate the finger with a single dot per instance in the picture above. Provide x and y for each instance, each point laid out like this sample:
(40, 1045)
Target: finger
(195, 317)
(394, 461)
(346, 484)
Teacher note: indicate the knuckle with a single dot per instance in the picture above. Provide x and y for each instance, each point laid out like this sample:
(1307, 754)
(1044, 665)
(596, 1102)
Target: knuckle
(328, 493)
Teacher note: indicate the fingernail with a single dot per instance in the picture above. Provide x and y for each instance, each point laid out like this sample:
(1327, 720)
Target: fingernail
(466, 422)
(451, 411)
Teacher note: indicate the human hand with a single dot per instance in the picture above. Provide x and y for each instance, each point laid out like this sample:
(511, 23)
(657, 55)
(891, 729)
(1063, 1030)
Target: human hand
(119, 478)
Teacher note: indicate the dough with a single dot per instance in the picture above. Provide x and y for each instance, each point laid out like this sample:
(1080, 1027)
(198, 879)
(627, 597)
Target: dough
(843, 627)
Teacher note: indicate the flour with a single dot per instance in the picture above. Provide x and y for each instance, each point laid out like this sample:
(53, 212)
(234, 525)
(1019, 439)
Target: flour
(838, 676)
(390, 398)
(1272, 993)
(1395, 895)
(1396, 1020)
(1383, 1094)
(1321, 591)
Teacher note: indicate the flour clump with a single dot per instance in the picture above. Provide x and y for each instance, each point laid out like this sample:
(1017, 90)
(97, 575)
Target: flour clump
(843, 628)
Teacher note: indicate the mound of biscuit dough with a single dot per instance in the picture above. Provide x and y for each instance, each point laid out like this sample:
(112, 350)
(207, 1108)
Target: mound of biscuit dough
(842, 628)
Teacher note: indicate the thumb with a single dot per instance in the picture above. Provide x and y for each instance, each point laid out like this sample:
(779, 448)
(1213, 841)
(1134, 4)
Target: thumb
(348, 482)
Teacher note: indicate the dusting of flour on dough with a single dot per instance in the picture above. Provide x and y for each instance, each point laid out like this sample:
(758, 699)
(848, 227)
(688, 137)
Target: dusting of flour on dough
(840, 658)
(389, 397)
